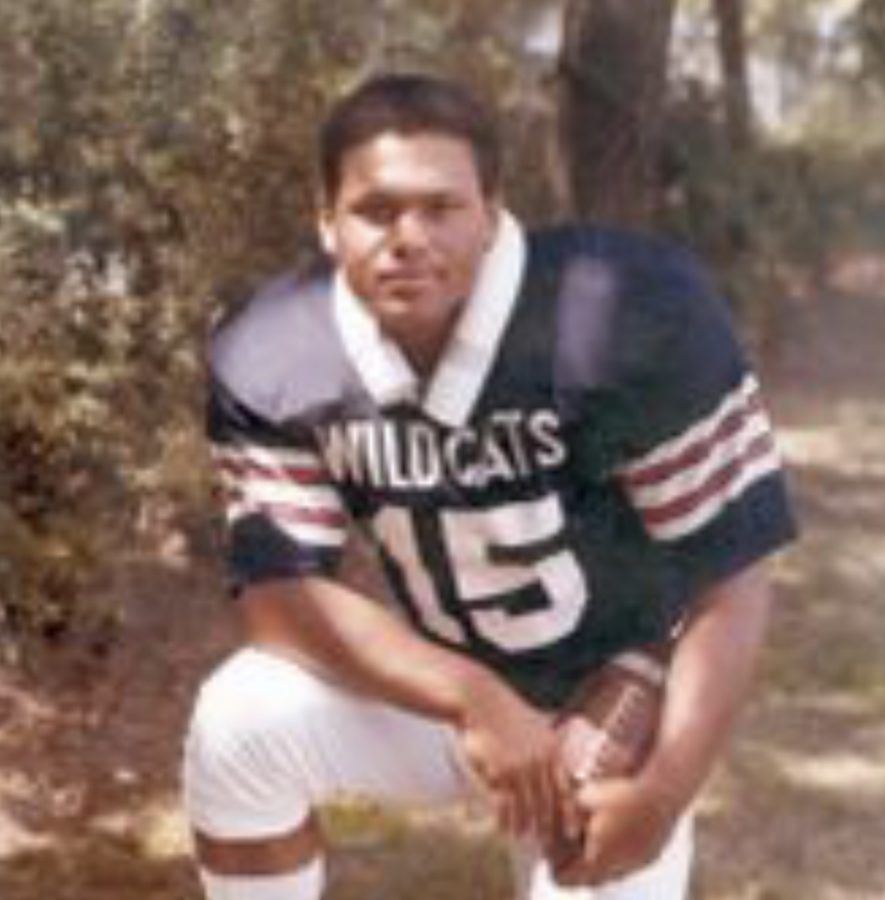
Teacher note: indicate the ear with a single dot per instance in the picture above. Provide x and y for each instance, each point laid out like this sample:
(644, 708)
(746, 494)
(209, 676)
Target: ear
(494, 207)
(326, 231)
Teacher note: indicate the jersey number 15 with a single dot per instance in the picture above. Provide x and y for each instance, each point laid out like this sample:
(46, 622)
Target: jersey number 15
(504, 573)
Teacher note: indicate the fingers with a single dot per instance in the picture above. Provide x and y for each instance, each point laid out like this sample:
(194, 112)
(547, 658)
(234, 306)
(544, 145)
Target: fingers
(573, 847)
(599, 859)
(546, 800)
(570, 816)
(506, 813)
(619, 834)
(511, 748)
(528, 800)
(582, 870)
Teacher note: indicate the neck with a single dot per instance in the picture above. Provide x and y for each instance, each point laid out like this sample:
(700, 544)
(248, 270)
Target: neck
(423, 350)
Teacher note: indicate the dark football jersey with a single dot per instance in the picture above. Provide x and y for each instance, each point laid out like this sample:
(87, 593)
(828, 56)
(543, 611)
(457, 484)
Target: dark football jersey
(589, 455)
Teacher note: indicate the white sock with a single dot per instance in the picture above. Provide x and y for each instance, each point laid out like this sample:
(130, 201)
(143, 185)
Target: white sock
(305, 884)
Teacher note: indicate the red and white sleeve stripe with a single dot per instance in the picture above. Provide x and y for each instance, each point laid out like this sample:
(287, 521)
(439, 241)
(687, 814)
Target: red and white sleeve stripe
(684, 483)
(291, 487)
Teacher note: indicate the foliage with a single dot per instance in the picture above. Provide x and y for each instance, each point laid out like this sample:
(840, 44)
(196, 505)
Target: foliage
(770, 219)
(130, 192)
(155, 162)
(772, 214)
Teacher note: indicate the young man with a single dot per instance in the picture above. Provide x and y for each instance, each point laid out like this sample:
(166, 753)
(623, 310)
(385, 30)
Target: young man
(560, 454)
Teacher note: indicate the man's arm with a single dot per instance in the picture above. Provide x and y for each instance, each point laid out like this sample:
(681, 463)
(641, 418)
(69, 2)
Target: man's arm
(346, 636)
(629, 820)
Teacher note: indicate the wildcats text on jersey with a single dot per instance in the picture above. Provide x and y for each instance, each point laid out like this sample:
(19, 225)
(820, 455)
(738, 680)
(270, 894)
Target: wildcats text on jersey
(411, 454)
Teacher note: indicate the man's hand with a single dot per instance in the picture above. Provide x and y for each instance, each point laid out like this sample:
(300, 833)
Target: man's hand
(511, 747)
(627, 823)
(607, 731)
(339, 632)
(629, 820)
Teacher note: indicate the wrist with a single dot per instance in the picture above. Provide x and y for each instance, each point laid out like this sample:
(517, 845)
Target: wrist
(669, 789)
(474, 688)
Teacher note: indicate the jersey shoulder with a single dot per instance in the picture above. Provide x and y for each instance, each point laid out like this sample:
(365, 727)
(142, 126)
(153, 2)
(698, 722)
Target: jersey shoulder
(280, 353)
(624, 301)
(629, 268)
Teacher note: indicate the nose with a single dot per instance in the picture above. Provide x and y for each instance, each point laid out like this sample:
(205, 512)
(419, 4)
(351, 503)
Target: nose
(409, 233)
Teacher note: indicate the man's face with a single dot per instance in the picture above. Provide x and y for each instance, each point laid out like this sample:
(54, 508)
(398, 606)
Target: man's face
(409, 227)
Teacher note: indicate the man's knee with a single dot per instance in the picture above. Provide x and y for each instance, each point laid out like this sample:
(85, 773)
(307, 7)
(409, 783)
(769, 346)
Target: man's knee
(243, 770)
(245, 787)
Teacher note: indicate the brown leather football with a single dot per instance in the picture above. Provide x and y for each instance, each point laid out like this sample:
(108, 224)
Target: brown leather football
(606, 730)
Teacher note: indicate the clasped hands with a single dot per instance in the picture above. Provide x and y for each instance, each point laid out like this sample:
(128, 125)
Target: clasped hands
(617, 825)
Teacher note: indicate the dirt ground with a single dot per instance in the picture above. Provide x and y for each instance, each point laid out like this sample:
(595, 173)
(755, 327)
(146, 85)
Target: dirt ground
(88, 746)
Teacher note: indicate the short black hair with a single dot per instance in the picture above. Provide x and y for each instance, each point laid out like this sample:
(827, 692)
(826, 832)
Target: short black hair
(409, 104)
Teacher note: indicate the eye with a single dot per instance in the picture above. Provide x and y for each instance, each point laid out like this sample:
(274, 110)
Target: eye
(377, 210)
(441, 206)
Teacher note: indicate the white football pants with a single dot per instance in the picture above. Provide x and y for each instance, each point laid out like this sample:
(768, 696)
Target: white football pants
(269, 741)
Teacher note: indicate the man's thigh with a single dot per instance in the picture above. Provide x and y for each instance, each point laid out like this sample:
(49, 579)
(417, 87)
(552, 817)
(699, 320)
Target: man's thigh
(269, 740)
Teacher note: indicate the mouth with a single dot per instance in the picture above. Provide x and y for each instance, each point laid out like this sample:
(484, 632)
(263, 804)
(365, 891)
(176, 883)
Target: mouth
(406, 277)
(407, 285)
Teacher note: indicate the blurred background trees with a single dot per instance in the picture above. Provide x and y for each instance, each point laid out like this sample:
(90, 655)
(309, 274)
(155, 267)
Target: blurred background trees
(156, 160)
(612, 84)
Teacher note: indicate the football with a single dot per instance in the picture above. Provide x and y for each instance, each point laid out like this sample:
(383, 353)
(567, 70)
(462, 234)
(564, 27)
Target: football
(606, 730)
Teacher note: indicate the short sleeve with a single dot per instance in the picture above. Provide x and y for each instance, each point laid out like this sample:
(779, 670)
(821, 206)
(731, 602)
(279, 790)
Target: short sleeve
(705, 476)
(285, 516)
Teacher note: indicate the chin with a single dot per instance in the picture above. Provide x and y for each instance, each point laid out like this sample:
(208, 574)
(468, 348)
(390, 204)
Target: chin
(407, 303)
(393, 314)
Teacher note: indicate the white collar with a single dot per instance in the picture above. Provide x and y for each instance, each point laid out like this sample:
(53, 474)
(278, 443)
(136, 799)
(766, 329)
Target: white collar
(461, 372)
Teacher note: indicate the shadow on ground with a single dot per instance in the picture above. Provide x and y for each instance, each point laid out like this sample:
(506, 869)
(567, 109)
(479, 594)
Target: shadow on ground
(97, 867)
(798, 810)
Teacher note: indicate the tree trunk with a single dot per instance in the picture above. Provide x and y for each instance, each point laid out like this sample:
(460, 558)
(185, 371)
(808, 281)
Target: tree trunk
(612, 79)
(733, 64)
